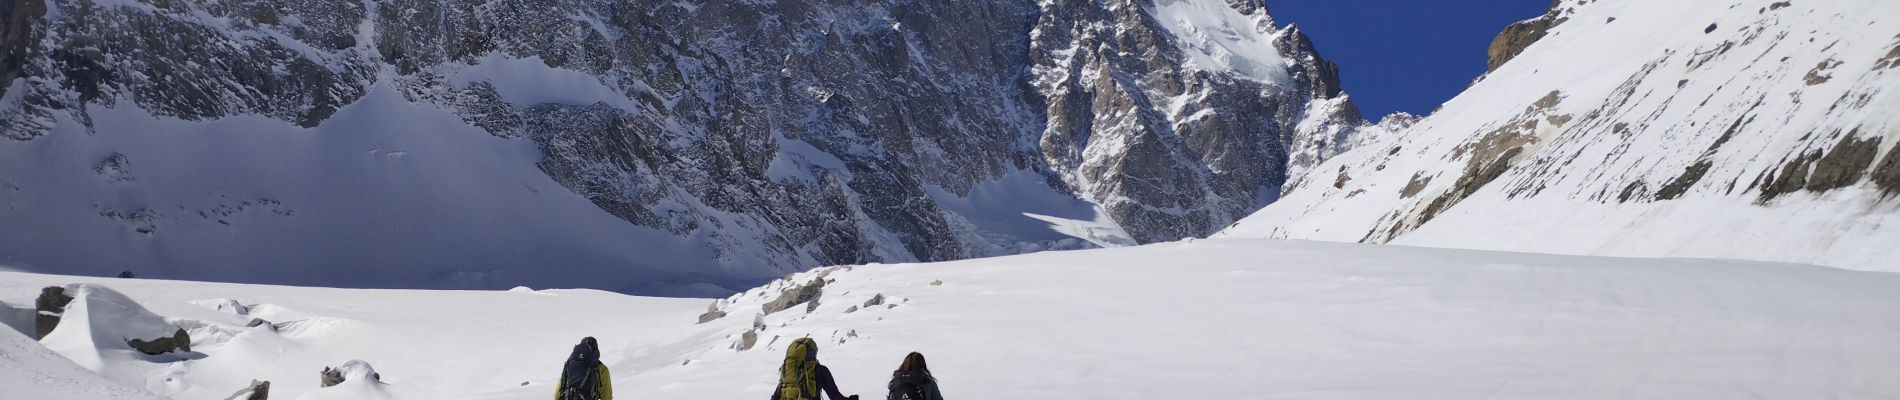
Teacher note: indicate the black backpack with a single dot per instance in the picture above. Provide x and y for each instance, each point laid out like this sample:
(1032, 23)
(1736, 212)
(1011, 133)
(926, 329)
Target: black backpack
(908, 386)
(578, 379)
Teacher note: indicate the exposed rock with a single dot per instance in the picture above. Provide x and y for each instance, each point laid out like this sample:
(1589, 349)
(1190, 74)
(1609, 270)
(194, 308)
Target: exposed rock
(1793, 176)
(1887, 175)
(1491, 155)
(712, 313)
(1690, 175)
(1892, 59)
(786, 134)
(747, 340)
(1520, 36)
(851, 309)
(875, 300)
(1819, 74)
(1841, 166)
(127, 275)
(330, 377)
(257, 322)
(48, 308)
(115, 168)
(1845, 164)
(938, 282)
(18, 18)
(180, 341)
(795, 295)
(1417, 184)
(350, 371)
(258, 390)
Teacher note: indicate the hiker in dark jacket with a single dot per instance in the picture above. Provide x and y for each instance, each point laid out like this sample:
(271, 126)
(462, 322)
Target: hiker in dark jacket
(584, 377)
(801, 377)
(912, 381)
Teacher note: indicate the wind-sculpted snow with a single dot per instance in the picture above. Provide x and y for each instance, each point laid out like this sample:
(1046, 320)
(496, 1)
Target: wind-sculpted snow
(31, 371)
(1738, 129)
(758, 137)
(1295, 319)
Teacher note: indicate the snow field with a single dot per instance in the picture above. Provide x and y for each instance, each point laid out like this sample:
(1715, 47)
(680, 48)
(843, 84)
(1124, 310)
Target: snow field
(1202, 319)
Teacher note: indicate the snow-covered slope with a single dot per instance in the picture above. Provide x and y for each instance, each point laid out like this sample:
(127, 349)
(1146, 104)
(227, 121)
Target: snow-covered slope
(1191, 320)
(656, 147)
(29, 370)
(1755, 129)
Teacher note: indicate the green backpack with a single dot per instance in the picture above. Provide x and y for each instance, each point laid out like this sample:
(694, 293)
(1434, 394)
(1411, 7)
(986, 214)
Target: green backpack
(798, 377)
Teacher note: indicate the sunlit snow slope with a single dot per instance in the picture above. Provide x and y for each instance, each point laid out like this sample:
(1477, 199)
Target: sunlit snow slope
(1755, 129)
(1192, 320)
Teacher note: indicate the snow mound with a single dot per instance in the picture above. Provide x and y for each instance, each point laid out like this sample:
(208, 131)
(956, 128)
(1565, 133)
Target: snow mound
(360, 382)
(98, 324)
(30, 371)
(229, 306)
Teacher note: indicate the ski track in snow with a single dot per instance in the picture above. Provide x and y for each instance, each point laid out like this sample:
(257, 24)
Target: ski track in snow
(1231, 318)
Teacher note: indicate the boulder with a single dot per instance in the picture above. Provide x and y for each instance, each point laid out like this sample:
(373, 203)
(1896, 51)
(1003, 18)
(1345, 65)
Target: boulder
(50, 306)
(712, 313)
(796, 295)
(747, 340)
(180, 341)
(258, 390)
(330, 377)
(257, 322)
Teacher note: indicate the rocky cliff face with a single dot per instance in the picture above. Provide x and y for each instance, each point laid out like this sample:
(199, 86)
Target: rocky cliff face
(1522, 35)
(775, 135)
(1740, 129)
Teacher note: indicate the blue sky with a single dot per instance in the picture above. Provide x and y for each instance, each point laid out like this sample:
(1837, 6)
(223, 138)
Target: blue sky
(1404, 55)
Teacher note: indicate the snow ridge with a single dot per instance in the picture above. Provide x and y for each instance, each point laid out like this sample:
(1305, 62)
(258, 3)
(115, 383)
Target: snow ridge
(1749, 129)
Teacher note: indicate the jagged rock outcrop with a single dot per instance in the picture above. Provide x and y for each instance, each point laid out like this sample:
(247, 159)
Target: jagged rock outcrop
(1521, 35)
(795, 294)
(17, 36)
(775, 136)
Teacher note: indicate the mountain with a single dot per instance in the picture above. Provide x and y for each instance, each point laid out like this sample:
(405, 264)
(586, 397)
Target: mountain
(646, 146)
(1213, 319)
(1735, 129)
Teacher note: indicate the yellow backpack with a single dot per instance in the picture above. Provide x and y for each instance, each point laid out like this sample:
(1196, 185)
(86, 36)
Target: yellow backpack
(798, 377)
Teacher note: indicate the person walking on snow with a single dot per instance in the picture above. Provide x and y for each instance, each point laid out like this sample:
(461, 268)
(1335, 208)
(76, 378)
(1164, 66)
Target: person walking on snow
(913, 381)
(584, 377)
(801, 377)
